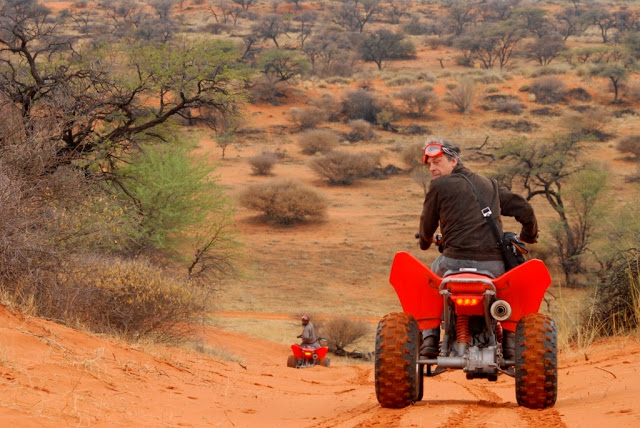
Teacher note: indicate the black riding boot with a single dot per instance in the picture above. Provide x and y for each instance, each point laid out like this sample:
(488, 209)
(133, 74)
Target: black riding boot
(430, 342)
(508, 345)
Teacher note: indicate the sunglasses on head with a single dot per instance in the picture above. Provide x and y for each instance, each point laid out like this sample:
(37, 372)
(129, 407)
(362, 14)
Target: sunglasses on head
(434, 150)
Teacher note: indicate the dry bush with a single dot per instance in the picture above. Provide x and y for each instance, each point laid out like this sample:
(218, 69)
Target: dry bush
(412, 154)
(548, 90)
(419, 101)
(132, 298)
(462, 95)
(306, 118)
(344, 168)
(422, 177)
(588, 125)
(616, 305)
(328, 104)
(509, 106)
(361, 130)
(318, 141)
(285, 201)
(263, 163)
(266, 90)
(630, 144)
(361, 104)
(342, 332)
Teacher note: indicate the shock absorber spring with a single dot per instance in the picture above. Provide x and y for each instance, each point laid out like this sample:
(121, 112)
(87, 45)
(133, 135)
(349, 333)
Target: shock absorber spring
(498, 332)
(462, 329)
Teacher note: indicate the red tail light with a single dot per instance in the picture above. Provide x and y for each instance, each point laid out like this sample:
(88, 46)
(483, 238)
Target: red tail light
(467, 300)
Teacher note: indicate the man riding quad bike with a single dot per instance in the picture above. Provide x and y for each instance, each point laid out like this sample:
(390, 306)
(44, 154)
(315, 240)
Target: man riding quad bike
(488, 314)
(309, 352)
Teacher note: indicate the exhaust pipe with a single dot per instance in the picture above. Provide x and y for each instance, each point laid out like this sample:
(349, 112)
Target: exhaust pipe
(500, 310)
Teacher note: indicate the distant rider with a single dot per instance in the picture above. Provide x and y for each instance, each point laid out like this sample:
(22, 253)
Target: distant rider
(308, 336)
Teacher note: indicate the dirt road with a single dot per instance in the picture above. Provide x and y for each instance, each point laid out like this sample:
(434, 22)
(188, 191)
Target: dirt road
(53, 376)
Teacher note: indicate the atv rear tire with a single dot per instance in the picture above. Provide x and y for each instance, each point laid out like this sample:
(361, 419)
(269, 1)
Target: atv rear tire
(536, 362)
(292, 361)
(324, 361)
(398, 376)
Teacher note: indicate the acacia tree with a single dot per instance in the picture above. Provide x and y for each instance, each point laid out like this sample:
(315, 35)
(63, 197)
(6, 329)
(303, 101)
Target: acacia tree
(545, 49)
(87, 108)
(105, 100)
(492, 44)
(283, 65)
(545, 170)
(355, 14)
(384, 44)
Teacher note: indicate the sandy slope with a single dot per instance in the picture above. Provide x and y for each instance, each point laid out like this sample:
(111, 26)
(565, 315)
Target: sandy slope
(53, 376)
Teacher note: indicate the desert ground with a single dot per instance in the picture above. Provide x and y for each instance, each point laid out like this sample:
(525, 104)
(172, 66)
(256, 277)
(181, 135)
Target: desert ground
(53, 376)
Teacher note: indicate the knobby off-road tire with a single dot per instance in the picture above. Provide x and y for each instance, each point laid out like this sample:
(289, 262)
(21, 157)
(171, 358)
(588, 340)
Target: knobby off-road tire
(536, 362)
(324, 362)
(397, 376)
(292, 361)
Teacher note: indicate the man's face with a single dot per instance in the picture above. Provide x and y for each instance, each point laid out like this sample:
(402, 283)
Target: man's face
(441, 166)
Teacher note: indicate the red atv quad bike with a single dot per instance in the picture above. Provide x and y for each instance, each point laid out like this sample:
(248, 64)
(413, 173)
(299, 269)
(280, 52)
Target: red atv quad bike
(304, 356)
(473, 308)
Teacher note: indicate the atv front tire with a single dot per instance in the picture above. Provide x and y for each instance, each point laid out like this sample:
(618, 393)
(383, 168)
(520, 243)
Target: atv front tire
(398, 376)
(292, 361)
(536, 362)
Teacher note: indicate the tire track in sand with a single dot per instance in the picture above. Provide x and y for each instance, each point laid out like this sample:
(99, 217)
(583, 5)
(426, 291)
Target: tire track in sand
(491, 409)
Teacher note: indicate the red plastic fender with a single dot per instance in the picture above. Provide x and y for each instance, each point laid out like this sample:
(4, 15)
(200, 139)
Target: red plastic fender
(297, 351)
(321, 352)
(417, 288)
(523, 287)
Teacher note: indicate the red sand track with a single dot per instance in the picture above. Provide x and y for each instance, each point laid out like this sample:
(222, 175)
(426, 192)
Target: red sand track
(53, 376)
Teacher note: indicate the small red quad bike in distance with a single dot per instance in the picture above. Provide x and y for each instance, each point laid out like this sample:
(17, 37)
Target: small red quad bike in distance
(304, 356)
(474, 309)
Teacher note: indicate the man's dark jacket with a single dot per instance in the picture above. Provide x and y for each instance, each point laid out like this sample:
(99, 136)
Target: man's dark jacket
(452, 203)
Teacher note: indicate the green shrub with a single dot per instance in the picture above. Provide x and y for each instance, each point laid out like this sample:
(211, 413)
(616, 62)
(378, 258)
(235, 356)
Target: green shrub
(344, 168)
(285, 201)
(318, 141)
(175, 195)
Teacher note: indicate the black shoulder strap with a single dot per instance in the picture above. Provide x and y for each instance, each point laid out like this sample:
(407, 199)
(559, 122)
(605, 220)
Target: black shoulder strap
(485, 210)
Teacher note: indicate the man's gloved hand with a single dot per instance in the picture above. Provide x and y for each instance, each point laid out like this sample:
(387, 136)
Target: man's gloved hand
(424, 245)
(528, 239)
